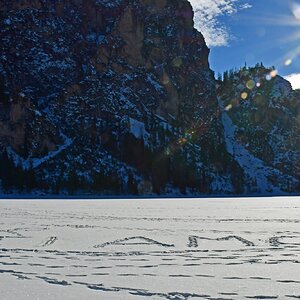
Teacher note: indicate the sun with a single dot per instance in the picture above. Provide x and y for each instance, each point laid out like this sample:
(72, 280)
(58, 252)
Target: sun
(296, 10)
(294, 78)
(290, 59)
(294, 21)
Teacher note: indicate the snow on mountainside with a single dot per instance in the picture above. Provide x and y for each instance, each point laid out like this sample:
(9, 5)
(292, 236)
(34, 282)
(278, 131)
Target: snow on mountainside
(130, 86)
(258, 173)
(261, 118)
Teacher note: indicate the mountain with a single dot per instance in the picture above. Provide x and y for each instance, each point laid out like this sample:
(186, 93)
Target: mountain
(118, 97)
(262, 111)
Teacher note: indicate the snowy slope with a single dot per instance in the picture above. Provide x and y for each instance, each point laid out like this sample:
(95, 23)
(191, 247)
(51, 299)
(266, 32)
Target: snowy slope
(32, 162)
(254, 168)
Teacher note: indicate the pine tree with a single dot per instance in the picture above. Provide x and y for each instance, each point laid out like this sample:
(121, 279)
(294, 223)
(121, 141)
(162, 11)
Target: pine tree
(19, 177)
(7, 171)
(131, 185)
(72, 182)
(30, 180)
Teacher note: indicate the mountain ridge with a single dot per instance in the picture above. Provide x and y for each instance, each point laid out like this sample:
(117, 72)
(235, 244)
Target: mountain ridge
(112, 96)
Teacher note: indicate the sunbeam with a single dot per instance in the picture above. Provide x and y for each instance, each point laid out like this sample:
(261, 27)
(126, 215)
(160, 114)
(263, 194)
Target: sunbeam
(290, 20)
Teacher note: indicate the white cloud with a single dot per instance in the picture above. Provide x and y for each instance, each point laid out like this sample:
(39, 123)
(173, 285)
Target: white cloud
(206, 17)
(294, 79)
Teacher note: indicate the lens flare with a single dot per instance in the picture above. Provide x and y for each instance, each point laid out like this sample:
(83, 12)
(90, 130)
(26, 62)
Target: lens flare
(244, 96)
(177, 62)
(250, 84)
(273, 73)
(290, 19)
(268, 77)
(228, 107)
(288, 62)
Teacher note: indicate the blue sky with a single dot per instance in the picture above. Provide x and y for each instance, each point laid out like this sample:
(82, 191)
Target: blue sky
(252, 31)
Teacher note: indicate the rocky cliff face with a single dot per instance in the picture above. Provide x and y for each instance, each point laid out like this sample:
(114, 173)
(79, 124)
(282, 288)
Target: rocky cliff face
(25, 130)
(264, 110)
(122, 89)
(53, 45)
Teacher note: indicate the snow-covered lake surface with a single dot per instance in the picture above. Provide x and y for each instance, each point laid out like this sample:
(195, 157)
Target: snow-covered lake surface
(156, 249)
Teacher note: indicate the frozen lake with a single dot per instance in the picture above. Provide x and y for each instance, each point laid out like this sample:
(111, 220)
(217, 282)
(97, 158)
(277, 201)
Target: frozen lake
(156, 249)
